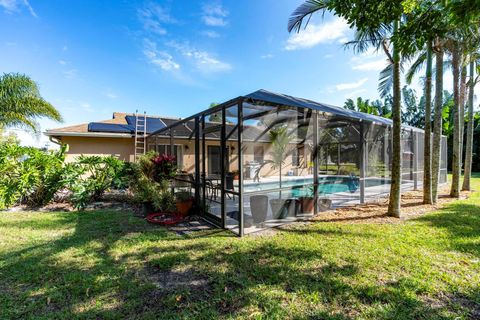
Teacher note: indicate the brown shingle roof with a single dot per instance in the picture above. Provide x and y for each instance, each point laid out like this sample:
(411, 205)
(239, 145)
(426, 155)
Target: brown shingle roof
(118, 118)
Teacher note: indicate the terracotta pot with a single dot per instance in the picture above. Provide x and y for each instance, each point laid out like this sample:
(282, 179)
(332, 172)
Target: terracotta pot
(306, 204)
(183, 207)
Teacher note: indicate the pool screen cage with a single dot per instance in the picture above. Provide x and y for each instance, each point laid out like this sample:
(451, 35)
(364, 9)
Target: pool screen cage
(266, 159)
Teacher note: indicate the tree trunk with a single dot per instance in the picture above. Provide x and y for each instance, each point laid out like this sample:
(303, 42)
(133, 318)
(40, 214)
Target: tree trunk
(461, 99)
(437, 121)
(469, 147)
(396, 180)
(427, 156)
(455, 189)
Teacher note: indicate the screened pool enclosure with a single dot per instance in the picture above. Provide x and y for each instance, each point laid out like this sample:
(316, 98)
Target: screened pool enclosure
(265, 159)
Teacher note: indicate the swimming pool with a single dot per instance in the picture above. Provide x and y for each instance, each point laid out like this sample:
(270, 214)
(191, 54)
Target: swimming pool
(304, 186)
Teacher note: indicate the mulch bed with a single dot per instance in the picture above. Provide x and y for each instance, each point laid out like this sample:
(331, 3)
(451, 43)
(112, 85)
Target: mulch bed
(376, 212)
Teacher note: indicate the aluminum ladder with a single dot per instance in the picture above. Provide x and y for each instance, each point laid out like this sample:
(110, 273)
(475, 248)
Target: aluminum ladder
(140, 134)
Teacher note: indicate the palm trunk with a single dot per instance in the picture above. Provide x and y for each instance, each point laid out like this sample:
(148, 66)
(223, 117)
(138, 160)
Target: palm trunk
(427, 156)
(462, 94)
(455, 189)
(396, 180)
(437, 121)
(469, 147)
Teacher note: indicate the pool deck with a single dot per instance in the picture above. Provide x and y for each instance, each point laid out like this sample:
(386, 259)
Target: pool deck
(338, 199)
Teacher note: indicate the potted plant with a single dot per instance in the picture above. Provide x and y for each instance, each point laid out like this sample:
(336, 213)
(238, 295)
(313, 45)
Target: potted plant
(236, 174)
(281, 145)
(152, 173)
(307, 201)
(184, 202)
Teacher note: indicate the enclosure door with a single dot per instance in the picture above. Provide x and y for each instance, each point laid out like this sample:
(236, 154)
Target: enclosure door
(214, 160)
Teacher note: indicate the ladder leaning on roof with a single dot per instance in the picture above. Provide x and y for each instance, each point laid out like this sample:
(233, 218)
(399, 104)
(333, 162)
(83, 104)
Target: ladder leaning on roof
(140, 134)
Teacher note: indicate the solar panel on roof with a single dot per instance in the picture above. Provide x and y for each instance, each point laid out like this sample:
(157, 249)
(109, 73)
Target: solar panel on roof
(153, 124)
(110, 127)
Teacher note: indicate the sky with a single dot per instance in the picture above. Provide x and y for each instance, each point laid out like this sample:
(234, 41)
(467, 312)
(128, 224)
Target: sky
(174, 58)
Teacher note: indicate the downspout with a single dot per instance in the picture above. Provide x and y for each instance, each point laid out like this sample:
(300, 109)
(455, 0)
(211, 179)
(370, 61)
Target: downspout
(55, 140)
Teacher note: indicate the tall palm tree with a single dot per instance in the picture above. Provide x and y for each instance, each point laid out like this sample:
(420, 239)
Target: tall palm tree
(453, 47)
(427, 150)
(21, 103)
(474, 58)
(437, 120)
(371, 32)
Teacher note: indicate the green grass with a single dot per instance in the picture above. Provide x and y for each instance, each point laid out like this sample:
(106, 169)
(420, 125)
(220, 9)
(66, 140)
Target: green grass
(107, 264)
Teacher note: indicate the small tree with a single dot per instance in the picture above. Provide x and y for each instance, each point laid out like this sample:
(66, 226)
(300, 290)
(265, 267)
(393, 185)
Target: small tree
(281, 147)
(21, 103)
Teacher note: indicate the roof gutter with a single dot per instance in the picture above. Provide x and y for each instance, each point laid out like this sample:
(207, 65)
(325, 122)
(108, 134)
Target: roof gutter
(87, 134)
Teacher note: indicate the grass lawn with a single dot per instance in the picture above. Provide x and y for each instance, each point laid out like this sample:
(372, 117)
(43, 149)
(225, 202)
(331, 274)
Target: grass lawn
(105, 264)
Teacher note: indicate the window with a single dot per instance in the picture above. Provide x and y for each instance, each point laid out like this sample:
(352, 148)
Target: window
(258, 154)
(165, 149)
(298, 156)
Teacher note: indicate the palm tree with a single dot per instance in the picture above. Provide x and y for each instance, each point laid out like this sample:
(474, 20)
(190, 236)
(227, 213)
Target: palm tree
(453, 47)
(474, 57)
(21, 103)
(427, 155)
(437, 120)
(375, 24)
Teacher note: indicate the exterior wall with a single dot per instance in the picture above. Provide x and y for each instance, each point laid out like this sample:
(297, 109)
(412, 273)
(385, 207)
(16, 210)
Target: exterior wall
(188, 163)
(123, 148)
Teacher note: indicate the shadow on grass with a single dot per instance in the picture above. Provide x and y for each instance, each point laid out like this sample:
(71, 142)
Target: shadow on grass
(159, 275)
(462, 222)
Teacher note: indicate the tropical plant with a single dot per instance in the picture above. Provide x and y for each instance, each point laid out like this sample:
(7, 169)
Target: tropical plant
(93, 175)
(21, 103)
(150, 182)
(29, 175)
(376, 107)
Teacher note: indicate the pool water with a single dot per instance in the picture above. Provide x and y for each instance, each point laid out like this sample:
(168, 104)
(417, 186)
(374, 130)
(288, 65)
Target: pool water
(304, 186)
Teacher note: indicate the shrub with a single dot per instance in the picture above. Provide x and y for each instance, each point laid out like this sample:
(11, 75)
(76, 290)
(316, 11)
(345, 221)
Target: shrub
(29, 175)
(92, 176)
(150, 182)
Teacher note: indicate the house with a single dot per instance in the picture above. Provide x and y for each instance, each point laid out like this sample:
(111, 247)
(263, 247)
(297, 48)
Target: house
(114, 136)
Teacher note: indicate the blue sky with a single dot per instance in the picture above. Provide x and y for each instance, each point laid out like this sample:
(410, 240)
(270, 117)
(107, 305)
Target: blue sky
(174, 58)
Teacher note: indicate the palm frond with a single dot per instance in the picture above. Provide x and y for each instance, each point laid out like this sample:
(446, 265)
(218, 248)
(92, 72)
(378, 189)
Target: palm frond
(416, 67)
(305, 11)
(21, 103)
(366, 38)
(385, 80)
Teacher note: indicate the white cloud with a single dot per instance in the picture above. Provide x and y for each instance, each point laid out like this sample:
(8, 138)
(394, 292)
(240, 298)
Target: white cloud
(354, 93)
(313, 34)
(70, 74)
(210, 34)
(214, 15)
(328, 56)
(267, 56)
(85, 106)
(202, 60)
(370, 60)
(110, 94)
(154, 17)
(351, 85)
(159, 58)
(375, 65)
(12, 6)
(62, 62)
